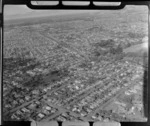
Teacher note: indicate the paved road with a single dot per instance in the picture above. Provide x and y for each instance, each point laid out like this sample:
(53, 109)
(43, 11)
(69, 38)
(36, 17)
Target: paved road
(61, 110)
(27, 103)
(65, 46)
(102, 107)
(92, 89)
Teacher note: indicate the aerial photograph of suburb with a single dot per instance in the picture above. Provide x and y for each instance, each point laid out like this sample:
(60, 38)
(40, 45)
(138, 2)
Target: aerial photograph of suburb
(75, 65)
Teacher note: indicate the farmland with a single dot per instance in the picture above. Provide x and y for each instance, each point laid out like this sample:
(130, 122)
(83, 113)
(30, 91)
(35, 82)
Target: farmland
(76, 67)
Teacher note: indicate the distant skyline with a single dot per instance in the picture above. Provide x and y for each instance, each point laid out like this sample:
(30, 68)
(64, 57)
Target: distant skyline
(22, 11)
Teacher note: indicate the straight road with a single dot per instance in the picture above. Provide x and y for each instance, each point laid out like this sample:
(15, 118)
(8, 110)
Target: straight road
(102, 107)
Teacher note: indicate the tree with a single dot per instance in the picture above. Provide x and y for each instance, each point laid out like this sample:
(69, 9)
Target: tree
(107, 43)
(128, 44)
(116, 50)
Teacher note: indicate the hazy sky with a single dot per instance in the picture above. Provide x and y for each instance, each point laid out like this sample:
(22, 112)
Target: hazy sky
(14, 9)
(22, 11)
